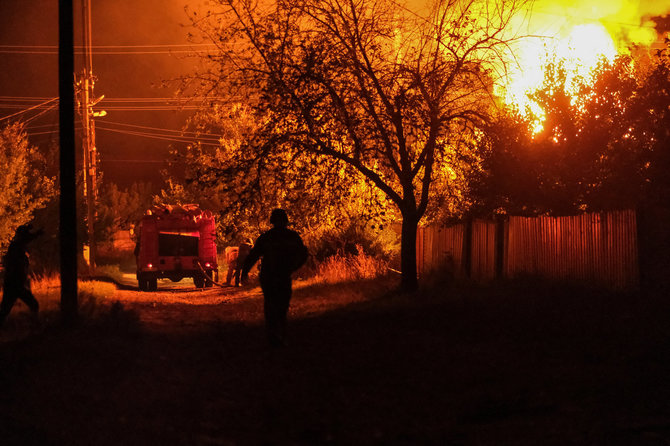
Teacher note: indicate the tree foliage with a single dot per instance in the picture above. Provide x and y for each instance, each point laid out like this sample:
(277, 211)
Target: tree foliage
(338, 90)
(24, 187)
(604, 143)
(121, 209)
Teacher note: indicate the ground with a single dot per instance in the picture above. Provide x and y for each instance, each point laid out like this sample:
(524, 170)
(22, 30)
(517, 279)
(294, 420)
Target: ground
(511, 364)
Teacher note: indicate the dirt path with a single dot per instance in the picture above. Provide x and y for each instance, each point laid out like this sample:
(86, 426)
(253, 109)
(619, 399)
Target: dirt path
(181, 306)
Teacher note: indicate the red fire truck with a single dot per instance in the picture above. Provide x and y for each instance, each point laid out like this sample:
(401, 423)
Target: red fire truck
(175, 242)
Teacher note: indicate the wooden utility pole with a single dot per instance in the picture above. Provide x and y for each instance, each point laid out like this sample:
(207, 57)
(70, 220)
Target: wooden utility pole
(68, 190)
(90, 157)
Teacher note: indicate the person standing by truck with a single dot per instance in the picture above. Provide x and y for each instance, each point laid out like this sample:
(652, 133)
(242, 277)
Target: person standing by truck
(16, 284)
(283, 252)
(242, 254)
(231, 254)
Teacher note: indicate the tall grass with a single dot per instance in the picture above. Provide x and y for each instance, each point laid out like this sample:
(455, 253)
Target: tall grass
(341, 268)
(94, 300)
(47, 290)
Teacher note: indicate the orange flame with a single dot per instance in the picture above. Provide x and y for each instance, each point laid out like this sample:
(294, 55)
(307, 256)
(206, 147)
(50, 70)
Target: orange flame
(579, 32)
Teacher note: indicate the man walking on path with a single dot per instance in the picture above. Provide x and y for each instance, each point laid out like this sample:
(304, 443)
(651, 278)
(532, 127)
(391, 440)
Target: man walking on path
(283, 252)
(16, 283)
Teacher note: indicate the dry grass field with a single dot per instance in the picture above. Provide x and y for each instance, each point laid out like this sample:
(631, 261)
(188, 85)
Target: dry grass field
(516, 363)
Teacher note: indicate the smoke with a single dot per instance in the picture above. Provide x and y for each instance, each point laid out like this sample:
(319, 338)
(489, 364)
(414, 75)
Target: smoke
(627, 21)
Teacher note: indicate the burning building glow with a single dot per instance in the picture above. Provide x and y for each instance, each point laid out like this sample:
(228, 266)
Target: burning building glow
(580, 33)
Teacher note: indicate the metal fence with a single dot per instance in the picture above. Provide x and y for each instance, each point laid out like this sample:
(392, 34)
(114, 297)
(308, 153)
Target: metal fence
(599, 247)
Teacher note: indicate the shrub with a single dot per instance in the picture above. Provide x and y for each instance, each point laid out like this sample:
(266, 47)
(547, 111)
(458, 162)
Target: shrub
(343, 267)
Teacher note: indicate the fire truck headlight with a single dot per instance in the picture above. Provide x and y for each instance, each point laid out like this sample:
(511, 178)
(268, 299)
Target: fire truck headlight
(150, 265)
(207, 265)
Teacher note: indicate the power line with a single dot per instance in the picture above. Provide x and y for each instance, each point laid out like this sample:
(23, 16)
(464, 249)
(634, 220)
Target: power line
(80, 47)
(110, 108)
(100, 53)
(122, 99)
(22, 107)
(28, 109)
(22, 99)
(41, 126)
(104, 160)
(110, 49)
(153, 108)
(158, 99)
(177, 135)
(161, 137)
(32, 118)
(174, 138)
(212, 135)
(51, 132)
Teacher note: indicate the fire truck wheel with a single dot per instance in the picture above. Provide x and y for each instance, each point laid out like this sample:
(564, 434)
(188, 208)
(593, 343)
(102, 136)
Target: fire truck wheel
(199, 281)
(143, 283)
(152, 284)
(208, 279)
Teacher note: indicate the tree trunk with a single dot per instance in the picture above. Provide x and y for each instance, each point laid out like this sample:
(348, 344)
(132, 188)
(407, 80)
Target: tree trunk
(409, 281)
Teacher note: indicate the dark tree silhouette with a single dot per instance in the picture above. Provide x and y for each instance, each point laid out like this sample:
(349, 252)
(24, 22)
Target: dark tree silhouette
(368, 84)
(605, 143)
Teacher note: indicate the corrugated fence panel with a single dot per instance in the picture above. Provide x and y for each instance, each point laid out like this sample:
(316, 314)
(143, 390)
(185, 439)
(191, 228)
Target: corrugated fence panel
(593, 247)
(483, 250)
(440, 247)
(449, 248)
(600, 248)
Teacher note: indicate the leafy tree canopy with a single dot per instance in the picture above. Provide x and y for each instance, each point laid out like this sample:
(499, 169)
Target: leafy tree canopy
(349, 94)
(604, 143)
(121, 209)
(24, 188)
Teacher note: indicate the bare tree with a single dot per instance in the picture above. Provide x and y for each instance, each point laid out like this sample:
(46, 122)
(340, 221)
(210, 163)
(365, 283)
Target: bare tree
(389, 92)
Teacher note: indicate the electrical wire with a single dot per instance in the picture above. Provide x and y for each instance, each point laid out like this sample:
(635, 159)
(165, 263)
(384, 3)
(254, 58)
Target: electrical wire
(159, 99)
(99, 53)
(29, 109)
(51, 132)
(181, 132)
(113, 108)
(104, 160)
(171, 138)
(41, 126)
(79, 47)
(23, 99)
(32, 118)
(153, 108)
(22, 107)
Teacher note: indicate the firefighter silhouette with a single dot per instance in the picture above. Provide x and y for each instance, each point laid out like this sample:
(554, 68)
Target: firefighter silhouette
(242, 254)
(283, 252)
(231, 255)
(17, 269)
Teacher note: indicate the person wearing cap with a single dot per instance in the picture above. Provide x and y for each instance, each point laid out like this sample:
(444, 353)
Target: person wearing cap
(16, 284)
(283, 252)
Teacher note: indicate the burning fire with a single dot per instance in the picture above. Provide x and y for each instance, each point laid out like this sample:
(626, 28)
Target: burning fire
(579, 32)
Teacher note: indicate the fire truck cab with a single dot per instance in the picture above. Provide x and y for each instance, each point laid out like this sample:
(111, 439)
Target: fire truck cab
(175, 242)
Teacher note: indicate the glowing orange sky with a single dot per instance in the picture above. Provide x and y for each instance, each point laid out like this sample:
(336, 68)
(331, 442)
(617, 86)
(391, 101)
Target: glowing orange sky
(580, 32)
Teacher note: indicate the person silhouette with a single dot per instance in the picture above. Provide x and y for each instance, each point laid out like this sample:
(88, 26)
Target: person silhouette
(243, 252)
(231, 255)
(283, 252)
(16, 283)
